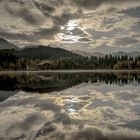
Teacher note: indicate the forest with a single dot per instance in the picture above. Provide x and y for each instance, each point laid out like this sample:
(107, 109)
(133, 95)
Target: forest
(13, 60)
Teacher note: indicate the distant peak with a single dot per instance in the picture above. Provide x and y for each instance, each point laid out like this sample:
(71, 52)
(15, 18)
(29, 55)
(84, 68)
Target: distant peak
(1, 39)
(4, 44)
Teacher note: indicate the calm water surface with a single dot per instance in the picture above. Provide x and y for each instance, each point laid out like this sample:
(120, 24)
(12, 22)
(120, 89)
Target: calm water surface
(70, 106)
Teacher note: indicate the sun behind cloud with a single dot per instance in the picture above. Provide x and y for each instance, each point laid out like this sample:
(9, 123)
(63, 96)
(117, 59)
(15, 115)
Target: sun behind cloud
(87, 25)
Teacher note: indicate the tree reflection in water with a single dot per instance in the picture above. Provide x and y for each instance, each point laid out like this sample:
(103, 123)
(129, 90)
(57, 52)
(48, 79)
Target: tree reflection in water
(70, 106)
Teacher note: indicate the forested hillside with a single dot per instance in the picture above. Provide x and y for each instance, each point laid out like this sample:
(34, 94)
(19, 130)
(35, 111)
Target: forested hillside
(45, 52)
(38, 59)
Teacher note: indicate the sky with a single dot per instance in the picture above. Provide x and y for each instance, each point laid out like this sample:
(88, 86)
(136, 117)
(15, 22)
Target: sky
(87, 25)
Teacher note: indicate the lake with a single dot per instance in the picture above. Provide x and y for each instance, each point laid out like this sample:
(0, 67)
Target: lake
(70, 106)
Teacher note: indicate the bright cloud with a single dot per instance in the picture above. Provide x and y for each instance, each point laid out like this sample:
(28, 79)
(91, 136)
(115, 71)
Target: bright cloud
(96, 23)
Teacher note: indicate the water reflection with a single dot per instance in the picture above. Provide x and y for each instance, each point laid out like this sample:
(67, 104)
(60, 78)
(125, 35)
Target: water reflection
(44, 82)
(73, 107)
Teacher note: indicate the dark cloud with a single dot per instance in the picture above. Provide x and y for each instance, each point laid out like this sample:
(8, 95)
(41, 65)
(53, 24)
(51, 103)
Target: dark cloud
(46, 9)
(63, 19)
(43, 105)
(78, 31)
(89, 134)
(43, 19)
(29, 122)
(124, 41)
(100, 34)
(45, 33)
(85, 40)
(134, 12)
(14, 36)
(27, 14)
(92, 4)
(133, 124)
(65, 128)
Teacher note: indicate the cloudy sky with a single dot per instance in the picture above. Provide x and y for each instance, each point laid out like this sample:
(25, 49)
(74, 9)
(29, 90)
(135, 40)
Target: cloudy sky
(87, 25)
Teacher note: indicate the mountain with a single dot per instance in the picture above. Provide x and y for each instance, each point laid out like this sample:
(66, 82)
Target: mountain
(88, 54)
(45, 52)
(129, 54)
(4, 44)
(36, 52)
(99, 54)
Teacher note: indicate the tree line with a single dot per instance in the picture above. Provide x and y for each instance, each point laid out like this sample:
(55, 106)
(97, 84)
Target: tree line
(60, 81)
(93, 62)
(11, 60)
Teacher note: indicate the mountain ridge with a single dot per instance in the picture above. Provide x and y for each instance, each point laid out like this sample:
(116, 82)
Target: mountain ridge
(6, 45)
(99, 54)
(46, 52)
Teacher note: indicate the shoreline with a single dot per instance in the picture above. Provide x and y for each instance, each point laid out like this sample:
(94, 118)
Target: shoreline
(71, 71)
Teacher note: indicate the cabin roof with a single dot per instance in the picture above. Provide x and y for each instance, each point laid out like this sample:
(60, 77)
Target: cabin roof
(45, 62)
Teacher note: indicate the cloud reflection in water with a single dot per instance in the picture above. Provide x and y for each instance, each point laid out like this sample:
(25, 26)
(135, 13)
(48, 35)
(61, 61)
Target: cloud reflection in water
(86, 111)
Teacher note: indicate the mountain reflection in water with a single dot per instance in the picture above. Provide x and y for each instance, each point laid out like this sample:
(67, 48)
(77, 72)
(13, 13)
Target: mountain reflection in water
(74, 106)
